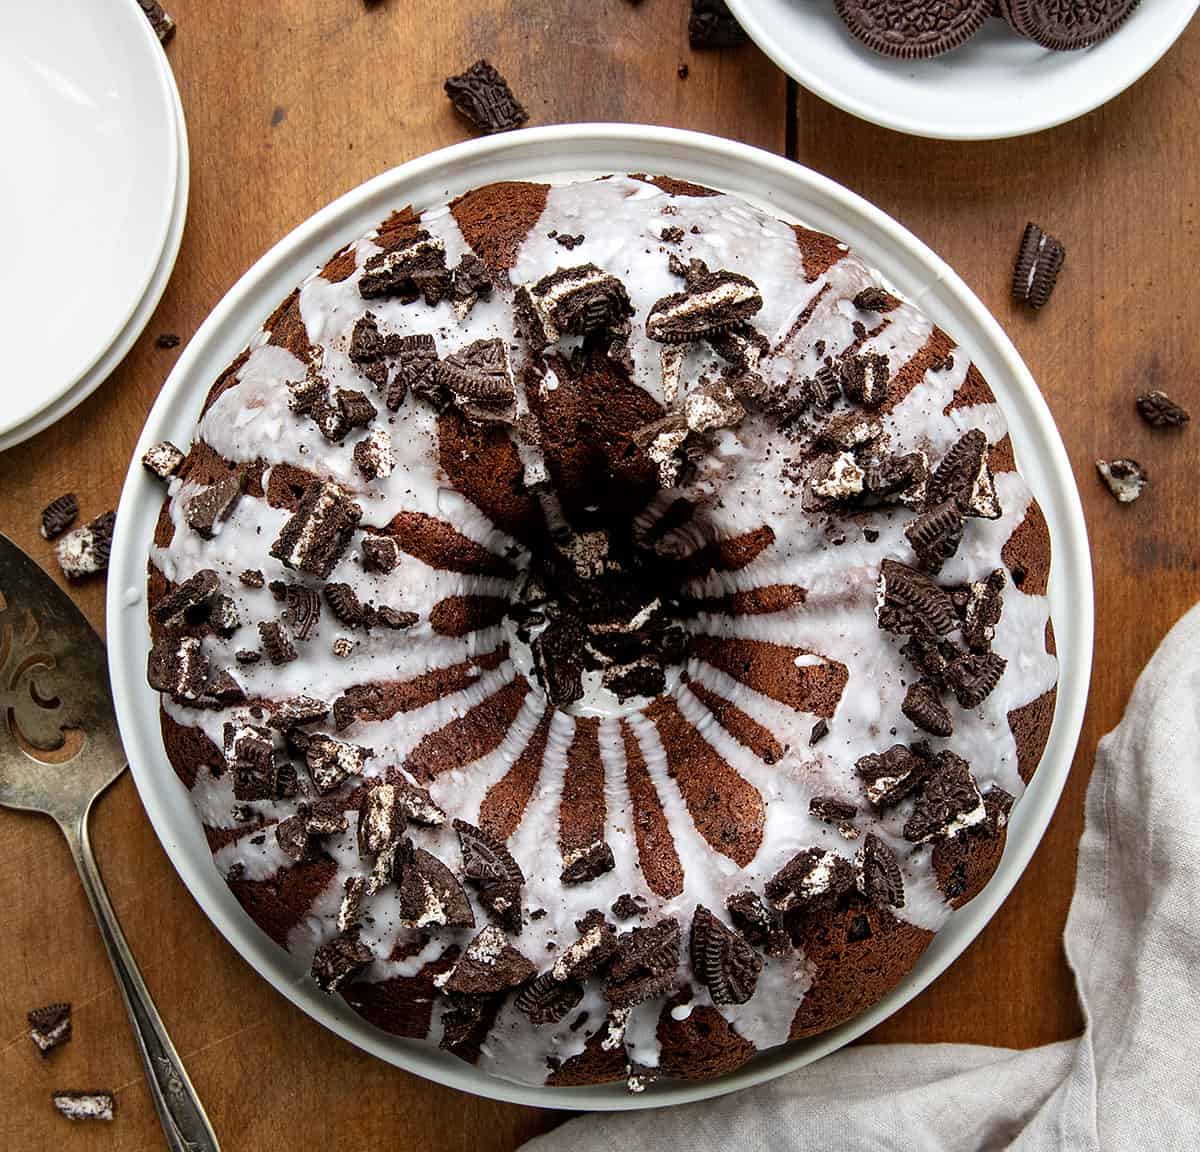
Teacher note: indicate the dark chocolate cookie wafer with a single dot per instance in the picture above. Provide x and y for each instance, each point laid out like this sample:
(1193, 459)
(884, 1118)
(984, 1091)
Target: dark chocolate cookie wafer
(913, 29)
(1065, 25)
(1038, 264)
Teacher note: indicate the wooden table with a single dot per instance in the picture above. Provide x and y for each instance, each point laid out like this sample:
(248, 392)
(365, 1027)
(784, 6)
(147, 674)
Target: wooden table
(290, 104)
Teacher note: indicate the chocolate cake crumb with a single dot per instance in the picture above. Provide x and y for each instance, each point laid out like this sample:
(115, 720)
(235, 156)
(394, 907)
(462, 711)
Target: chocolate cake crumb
(482, 96)
(85, 551)
(59, 515)
(711, 25)
(92, 1104)
(1125, 478)
(1160, 411)
(569, 242)
(628, 907)
(160, 20)
(49, 1027)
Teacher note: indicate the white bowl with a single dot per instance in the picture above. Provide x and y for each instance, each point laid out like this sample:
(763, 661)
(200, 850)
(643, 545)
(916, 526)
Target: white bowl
(560, 153)
(56, 409)
(998, 84)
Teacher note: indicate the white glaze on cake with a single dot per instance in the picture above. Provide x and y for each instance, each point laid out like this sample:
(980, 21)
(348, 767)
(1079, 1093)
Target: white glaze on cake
(742, 484)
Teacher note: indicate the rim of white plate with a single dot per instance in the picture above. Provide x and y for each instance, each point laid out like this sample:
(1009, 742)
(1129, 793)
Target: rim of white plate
(565, 152)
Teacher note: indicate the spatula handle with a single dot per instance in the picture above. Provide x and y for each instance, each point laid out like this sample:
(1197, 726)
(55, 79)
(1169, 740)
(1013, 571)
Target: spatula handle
(179, 1110)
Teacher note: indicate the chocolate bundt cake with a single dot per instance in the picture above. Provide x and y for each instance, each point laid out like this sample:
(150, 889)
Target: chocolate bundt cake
(602, 629)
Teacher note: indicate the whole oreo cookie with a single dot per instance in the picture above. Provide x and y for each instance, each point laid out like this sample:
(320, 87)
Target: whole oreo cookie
(914, 29)
(1065, 25)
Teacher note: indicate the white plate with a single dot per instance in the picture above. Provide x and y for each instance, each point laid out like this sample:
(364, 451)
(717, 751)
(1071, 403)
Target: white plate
(998, 84)
(561, 153)
(87, 196)
(117, 351)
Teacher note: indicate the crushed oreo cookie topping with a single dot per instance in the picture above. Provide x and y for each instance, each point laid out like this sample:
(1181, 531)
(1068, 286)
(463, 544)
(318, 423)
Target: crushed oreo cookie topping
(710, 303)
(1039, 262)
(163, 460)
(1124, 478)
(711, 25)
(879, 877)
(90, 1105)
(164, 29)
(759, 923)
(923, 706)
(935, 535)
(59, 515)
(343, 958)
(948, 802)
(482, 97)
(890, 776)
(49, 1027)
(811, 876)
(908, 602)
(722, 960)
(1160, 411)
(965, 477)
(644, 965)
(85, 551)
(318, 532)
(547, 1000)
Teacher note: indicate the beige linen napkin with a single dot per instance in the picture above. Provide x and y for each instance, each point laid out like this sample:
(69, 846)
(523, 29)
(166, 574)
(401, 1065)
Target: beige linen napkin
(1132, 1080)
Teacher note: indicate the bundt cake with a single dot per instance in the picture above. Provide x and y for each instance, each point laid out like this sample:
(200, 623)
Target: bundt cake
(602, 629)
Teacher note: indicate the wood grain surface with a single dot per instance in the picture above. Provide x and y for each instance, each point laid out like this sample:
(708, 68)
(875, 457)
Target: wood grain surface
(290, 103)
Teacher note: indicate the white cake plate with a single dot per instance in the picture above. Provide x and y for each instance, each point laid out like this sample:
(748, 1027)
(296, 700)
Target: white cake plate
(562, 153)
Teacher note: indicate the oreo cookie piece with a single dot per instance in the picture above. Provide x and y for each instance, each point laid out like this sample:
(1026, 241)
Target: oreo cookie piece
(59, 515)
(1039, 262)
(572, 302)
(479, 376)
(711, 25)
(486, 860)
(547, 1000)
(879, 877)
(913, 29)
(317, 533)
(949, 801)
(645, 963)
(164, 29)
(1125, 478)
(1159, 410)
(711, 303)
(49, 1027)
(431, 896)
(415, 269)
(205, 511)
(90, 1105)
(482, 96)
(85, 551)
(923, 706)
(1065, 25)
(908, 602)
(808, 878)
(489, 965)
(722, 960)
(343, 958)
(890, 776)
(163, 460)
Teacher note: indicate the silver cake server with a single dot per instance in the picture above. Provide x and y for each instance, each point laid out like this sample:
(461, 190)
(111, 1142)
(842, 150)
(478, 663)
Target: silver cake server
(59, 749)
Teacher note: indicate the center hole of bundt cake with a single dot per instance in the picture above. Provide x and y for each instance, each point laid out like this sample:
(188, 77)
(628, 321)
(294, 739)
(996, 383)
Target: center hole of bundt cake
(597, 616)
